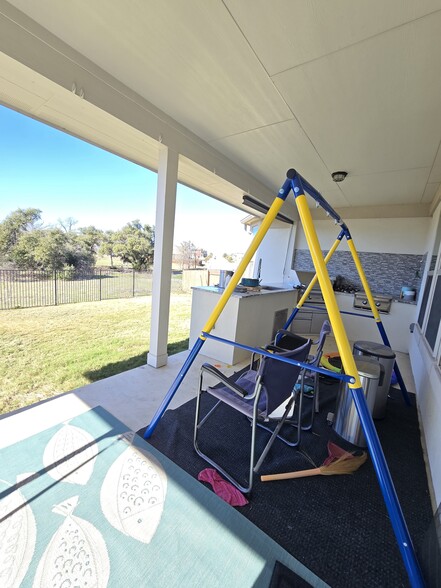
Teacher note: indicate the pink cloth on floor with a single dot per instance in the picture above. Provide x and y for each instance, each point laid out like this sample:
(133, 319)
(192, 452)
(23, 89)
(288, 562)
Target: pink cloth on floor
(222, 488)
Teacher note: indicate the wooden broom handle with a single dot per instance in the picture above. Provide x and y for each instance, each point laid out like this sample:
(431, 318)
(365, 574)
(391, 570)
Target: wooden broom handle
(290, 475)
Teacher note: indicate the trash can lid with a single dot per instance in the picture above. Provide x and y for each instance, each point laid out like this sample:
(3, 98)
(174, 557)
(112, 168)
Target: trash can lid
(367, 367)
(376, 349)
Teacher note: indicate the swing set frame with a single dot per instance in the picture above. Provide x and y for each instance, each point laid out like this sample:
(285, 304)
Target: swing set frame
(299, 187)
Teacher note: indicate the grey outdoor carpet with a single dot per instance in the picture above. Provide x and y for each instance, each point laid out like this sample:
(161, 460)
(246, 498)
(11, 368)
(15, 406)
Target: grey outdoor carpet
(337, 526)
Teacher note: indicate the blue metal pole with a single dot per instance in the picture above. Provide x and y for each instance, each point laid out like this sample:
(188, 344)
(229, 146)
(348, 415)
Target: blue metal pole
(396, 368)
(291, 318)
(177, 382)
(387, 488)
(263, 352)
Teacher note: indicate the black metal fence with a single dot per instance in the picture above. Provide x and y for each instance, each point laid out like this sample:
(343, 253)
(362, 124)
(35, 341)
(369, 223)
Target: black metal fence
(26, 289)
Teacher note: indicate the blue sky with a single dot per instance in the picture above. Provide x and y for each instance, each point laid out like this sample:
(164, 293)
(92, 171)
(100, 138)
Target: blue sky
(44, 168)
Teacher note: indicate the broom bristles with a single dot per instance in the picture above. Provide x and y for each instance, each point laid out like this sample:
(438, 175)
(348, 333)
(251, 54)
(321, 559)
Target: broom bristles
(343, 465)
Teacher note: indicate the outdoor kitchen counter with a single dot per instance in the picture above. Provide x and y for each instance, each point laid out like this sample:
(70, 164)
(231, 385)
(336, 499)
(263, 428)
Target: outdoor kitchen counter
(249, 317)
(270, 289)
(396, 323)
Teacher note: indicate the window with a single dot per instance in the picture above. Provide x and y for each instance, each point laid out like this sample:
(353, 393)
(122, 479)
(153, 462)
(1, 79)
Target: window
(425, 299)
(429, 317)
(433, 320)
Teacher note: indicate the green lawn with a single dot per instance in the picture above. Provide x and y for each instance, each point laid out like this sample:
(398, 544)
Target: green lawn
(45, 351)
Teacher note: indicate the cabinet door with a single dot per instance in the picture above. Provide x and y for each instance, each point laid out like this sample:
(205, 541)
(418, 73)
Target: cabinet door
(317, 321)
(301, 325)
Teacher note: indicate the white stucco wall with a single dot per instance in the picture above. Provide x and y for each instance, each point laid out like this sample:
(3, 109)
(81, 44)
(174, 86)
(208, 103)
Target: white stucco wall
(427, 376)
(276, 252)
(376, 235)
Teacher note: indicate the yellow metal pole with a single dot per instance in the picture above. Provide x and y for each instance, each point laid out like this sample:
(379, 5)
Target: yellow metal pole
(263, 229)
(364, 280)
(312, 283)
(328, 293)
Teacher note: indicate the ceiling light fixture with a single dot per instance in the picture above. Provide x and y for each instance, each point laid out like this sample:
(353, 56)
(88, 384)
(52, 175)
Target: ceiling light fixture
(339, 176)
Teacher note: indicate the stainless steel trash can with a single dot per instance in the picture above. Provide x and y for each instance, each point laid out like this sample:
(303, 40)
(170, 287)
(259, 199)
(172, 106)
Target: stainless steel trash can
(386, 358)
(346, 421)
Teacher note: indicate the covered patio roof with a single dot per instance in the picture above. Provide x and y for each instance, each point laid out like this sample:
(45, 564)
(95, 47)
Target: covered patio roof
(242, 90)
(225, 96)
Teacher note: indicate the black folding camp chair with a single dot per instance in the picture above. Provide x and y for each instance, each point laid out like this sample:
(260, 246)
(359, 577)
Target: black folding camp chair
(256, 394)
(284, 340)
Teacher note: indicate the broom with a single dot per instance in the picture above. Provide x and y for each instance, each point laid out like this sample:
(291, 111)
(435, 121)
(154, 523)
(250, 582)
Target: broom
(342, 465)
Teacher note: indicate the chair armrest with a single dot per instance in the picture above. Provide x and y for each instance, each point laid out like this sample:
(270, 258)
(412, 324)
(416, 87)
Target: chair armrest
(275, 348)
(210, 369)
(255, 356)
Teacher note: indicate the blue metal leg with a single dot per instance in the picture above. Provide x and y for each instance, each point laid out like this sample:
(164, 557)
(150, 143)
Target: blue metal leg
(291, 318)
(182, 373)
(387, 488)
(396, 368)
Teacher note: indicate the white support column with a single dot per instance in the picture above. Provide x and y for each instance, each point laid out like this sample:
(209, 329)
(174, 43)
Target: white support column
(164, 229)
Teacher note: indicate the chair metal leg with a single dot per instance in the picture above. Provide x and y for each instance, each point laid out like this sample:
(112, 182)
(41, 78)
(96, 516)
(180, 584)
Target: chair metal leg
(288, 422)
(275, 434)
(245, 489)
(208, 415)
(197, 424)
(316, 393)
(220, 469)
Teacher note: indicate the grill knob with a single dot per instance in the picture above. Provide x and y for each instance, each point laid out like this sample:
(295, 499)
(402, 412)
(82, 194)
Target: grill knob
(364, 302)
(378, 304)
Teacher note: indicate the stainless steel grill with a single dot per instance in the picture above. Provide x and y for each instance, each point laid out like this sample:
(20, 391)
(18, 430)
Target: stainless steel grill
(315, 296)
(383, 303)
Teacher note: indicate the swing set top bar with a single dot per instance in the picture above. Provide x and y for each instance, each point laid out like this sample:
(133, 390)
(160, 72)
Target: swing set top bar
(294, 177)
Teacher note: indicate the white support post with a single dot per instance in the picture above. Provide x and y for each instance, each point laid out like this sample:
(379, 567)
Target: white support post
(164, 229)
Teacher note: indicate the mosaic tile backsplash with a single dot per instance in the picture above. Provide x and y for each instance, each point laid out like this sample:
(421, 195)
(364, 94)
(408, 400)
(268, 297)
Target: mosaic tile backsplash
(387, 273)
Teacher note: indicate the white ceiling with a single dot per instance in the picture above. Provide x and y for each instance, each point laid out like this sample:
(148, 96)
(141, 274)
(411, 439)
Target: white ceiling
(315, 85)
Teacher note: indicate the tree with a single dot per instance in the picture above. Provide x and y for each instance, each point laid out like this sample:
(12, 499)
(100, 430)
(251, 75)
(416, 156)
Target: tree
(91, 237)
(82, 245)
(52, 249)
(134, 244)
(107, 246)
(79, 253)
(41, 249)
(67, 224)
(14, 225)
(24, 242)
(187, 251)
(23, 253)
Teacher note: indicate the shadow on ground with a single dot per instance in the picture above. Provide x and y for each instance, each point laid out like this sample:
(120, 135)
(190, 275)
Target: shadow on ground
(112, 369)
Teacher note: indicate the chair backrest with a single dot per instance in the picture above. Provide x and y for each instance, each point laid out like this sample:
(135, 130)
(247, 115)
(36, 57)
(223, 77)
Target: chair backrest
(288, 340)
(278, 378)
(324, 331)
